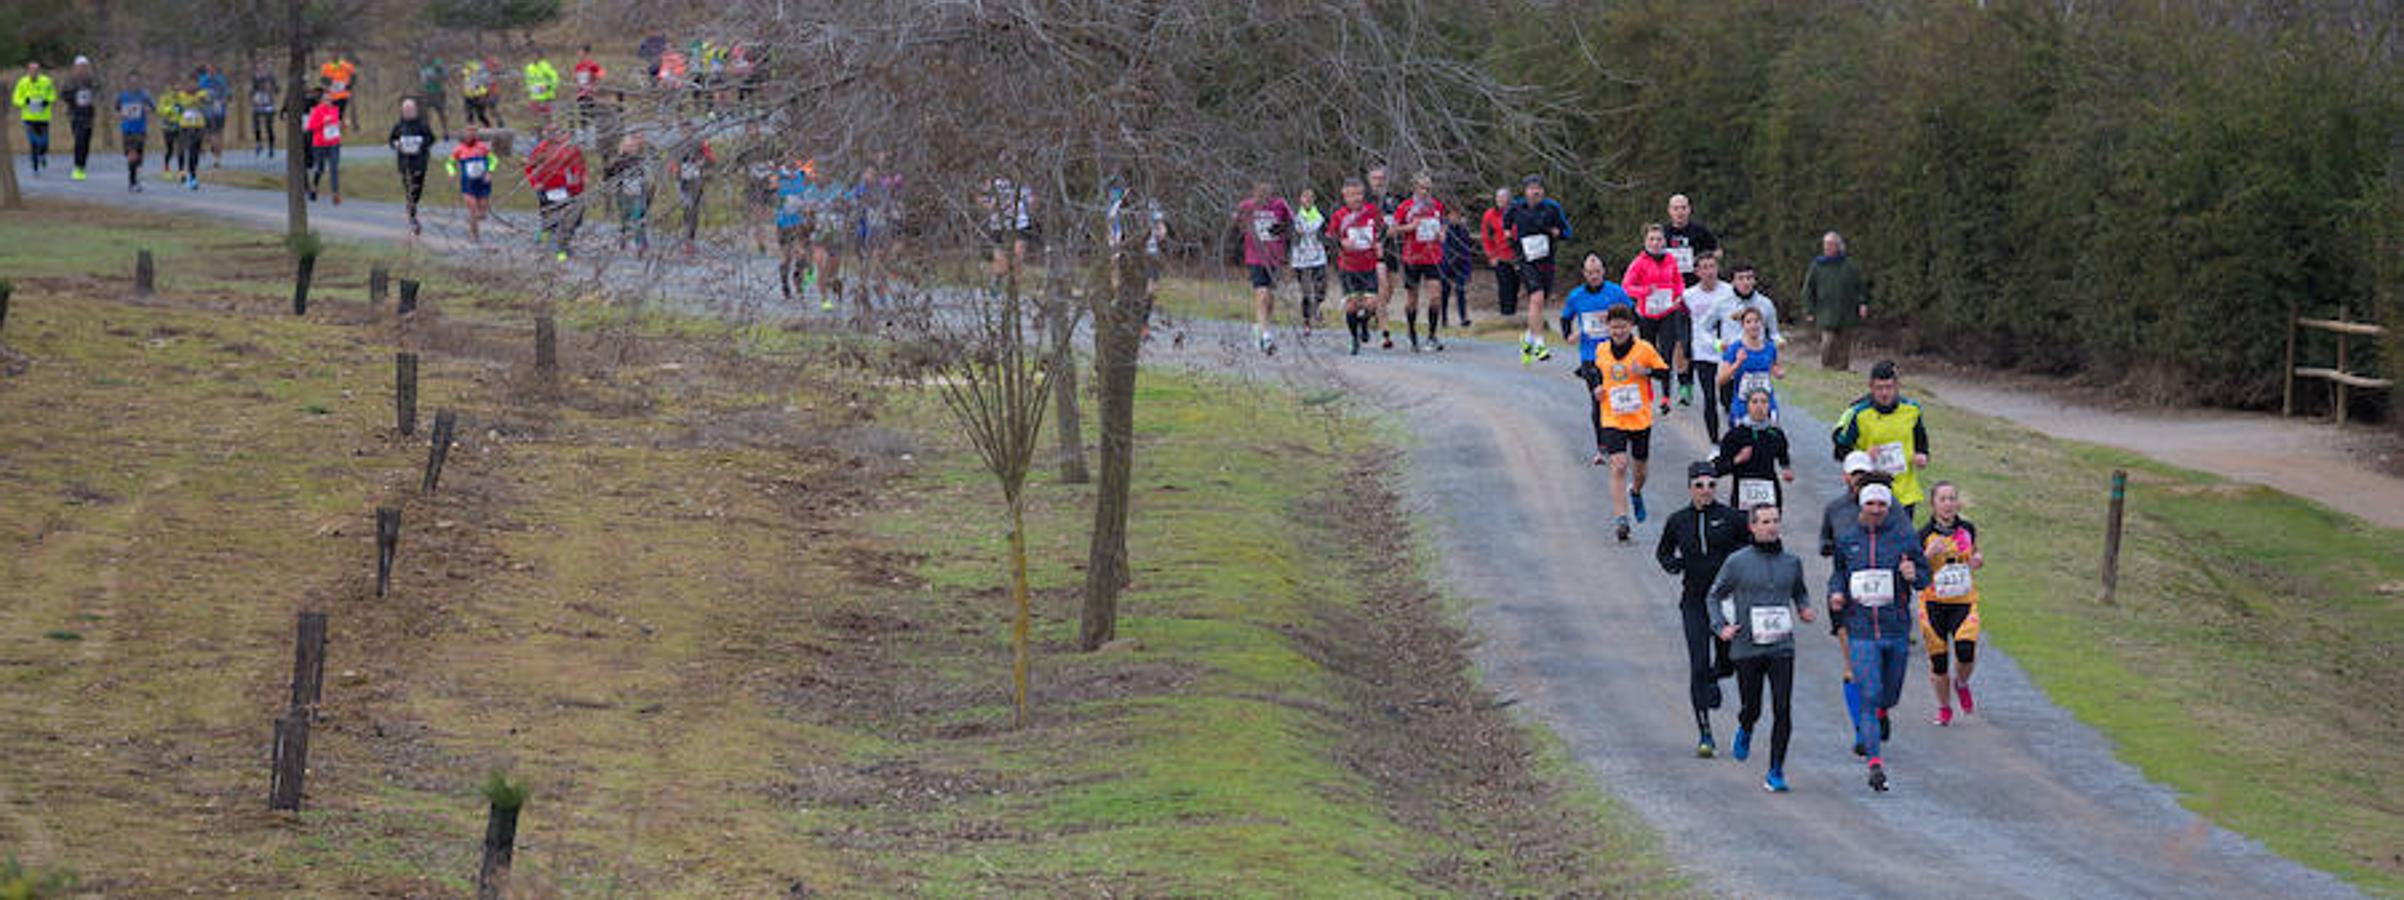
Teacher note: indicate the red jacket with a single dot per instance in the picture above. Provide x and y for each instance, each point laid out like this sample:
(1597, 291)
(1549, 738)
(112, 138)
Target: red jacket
(1647, 275)
(556, 165)
(324, 125)
(1501, 245)
(588, 77)
(1347, 227)
(1412, 216)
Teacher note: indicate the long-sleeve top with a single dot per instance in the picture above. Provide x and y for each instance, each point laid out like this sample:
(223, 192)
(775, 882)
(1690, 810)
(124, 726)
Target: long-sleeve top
(1696, 540)
(1753, 586)
(1655, 284)
(1877, 554)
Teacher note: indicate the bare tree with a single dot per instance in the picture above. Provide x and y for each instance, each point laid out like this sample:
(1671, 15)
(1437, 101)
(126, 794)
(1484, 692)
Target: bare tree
(996, 390)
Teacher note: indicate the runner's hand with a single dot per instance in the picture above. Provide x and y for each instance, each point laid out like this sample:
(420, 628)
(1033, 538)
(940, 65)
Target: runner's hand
(1728, 632)
(1908, 571)
(1864, 310)
(1742, 354)
(1804, 612)
(1743, 455)
(1919, 461)
(1789, 475)
(1836, 602)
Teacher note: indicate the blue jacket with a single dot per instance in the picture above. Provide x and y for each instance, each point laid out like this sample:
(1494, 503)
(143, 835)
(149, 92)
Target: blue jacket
(1584, 308)
(1859, 549)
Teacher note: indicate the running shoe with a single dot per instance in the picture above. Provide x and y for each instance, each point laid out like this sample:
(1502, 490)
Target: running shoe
(1744, 744)
(1527, 352)
(1704, 749)
(1859, 750)
(1386, 340)
(1665, 406)
(1620, 525)
(561, 256)
(76, 173)
(1943, 717)
(1543, 353)
(1414, 343)
(1961, 690)
(1685, 393)
(1636, 500)
(1775, 782)
(1436, 343)
(1877, 776)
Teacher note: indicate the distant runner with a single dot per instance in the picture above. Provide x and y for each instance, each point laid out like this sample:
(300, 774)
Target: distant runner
(133, 129)
(1308, 257)
(691, 168)
(1420, 221)
(324, 126)
(433, 93)
(36, 98)
(1889, 427)
(1582, 316)
(216, 104)
(1460, 263)
(1266, 222)
(1694, 542)
(1502, 253)
(472, 162)
(557, 172)
(192, 119)
(412, 146)
(263, 93)
(1877, 567)
(1537, 227)
(1841, 510)
(629, 179)
(83, 107)
(792, 230)
(339, 73)
(1949, 607)
(475, 90)
(1753, 605)
(1355, 227)
(1652, 278)
(1389, 257)
(1749, 363)
(1708, 301)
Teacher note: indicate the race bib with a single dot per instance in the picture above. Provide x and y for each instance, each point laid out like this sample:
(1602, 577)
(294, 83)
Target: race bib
(1264, 229)
(192, 117)
(1430, 230)
(261, 99)
(793, 204)
(412, 145)
(556, 195)
(333, 131)
(37, 105)
(1749, 382)
(1360, 237)
(1685, 258)
(584, 78)
(1873, 587)
(1953, 581)
(1889, 458)
(475, 168)
(132, 112)
(1535, 247)
(1308, 253)
(632, 186)
(1656, 304)
(1772, 624)
(1593, 323)
(342, 87)
(689, 171)
(83, 96)
(1752, 492)
(1627, 398)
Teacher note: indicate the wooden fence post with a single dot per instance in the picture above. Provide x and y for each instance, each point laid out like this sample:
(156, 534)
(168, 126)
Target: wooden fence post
(6, 288)
(388, 543)
(500, 847)
(2111, 559)
(404, 392)
(408, 297)
(546, 346)
(309, 661)
(304, 272)
(145, 273)
(2287, 375)
(379, 283)
(291, 764)
(439, 451)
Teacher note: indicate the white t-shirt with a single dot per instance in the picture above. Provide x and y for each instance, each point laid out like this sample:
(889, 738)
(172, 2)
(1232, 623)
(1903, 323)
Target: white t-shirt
(1731, 330)
(1704, 309)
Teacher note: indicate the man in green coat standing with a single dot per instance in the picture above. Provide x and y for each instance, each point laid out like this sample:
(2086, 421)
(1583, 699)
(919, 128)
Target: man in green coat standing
(1836, 297)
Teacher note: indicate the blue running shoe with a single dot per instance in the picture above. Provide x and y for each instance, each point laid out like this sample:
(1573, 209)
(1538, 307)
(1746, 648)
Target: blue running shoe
(1636, 500)
(1744, 744)
(1775, 782)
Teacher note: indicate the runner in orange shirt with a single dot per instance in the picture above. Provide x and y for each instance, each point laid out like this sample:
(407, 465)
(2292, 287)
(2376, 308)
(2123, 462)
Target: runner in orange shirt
(339, 74)
(1625, 395)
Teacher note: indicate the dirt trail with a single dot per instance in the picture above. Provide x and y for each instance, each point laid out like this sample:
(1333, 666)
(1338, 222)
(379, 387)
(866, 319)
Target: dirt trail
(2304, 457)
(2020, 800)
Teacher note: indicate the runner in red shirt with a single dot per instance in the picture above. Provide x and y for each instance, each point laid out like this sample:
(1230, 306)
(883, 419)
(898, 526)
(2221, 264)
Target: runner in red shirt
(1357, 228)
(556, 171)
(1494, 234)
(1267, 223)
(1420, 220)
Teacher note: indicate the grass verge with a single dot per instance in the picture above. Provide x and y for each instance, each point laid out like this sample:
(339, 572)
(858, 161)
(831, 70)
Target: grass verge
(2246, 659)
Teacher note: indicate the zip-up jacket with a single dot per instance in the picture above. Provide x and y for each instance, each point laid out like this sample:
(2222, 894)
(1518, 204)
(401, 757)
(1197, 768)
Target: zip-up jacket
(1891, 435)
(1757, 576)
(1648, 274)
(1694, 542)
(1545, 218)
(1861, 549)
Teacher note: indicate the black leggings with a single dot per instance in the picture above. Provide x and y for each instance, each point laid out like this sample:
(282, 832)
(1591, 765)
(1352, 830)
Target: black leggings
(1781, 672)
(81, 128)
(413, 181)
(1312, 282)
(191, 151)
(1707, 383)
(262, 130)
(1946, 620)
(1706, 656)
(1660, 333)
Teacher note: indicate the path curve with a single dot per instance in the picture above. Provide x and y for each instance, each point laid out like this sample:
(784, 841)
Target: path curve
(2019, 800)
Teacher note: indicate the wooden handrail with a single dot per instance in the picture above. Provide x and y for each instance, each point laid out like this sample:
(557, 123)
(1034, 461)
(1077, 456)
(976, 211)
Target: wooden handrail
(2363, 328)
(2346, 378)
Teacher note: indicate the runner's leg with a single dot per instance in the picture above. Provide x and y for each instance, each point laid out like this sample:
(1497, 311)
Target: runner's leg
(1782, 696)
(1867, 669)
(1702, 689)
(1706, 379)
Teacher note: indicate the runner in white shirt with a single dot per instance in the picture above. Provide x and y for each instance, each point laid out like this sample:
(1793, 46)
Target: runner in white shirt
(1708, 301)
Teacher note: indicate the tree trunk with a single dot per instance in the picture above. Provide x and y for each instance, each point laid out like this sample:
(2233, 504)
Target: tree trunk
(1118, 338)
(296, 166)
(1064, 390)
(1023, 612)
(9, 197)
(500, 851)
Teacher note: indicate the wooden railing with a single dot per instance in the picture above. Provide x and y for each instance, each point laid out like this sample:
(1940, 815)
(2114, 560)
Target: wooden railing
(2340, 380)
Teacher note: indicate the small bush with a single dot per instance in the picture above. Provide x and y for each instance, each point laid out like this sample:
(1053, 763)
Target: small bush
(502, 792)
(20, 883)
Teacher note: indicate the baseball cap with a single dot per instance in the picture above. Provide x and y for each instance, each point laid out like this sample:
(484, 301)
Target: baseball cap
(83, 60)
(1879, 493)
(1857, 462)
(1701, 469)
(1531, 179)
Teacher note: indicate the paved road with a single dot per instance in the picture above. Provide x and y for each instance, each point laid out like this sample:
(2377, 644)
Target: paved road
(2020, 800)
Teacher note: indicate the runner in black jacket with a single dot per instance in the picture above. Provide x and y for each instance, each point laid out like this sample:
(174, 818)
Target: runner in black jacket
(1694, 542)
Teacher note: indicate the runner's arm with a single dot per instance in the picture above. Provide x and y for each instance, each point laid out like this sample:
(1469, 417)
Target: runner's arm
(1920, 435)
(1722, 587)
(1666, 549)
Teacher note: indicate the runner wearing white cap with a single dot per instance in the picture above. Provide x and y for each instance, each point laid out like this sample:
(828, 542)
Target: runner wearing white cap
(1872, 577)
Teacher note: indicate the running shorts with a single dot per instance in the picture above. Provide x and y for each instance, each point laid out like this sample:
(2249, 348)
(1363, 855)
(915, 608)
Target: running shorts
(1413, 274)
(1942, 624)
(1636, 444)
(1357, 283)
(789, 236)
(1263, 276)
(1536, 277)
(475, 187)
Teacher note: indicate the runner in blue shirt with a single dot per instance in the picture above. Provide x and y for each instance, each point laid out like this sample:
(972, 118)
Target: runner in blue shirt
(1750, 362)
(133, 132)
(1582, 316)
(793, 201)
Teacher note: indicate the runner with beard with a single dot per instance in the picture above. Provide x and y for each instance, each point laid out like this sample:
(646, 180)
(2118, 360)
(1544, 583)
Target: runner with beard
(1753, 606)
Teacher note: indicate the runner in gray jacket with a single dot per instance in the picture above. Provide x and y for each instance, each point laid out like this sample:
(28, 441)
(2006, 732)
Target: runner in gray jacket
(1754, 603)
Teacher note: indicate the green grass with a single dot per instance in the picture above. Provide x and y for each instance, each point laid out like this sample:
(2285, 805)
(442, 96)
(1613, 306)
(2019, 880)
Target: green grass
(2247, 660)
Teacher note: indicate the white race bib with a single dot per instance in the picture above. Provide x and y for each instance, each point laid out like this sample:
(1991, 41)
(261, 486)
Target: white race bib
(412, 145)
(1685, 257)
(1656, 304)
(632, 186)
(1772, 624)
(1534, 247)
(584, 78)
(556, 195)
(334, 132)
(1430, 230)
(1307, 253)
(341, 87)
(83, 96)
(192, 118)
(1264, 229)
(1749, 382)
(1873, 587)
(132, 112)
(1627, 398)
(1953, 581)
(261, 99)
(1889, 458)
(1592, 323)
(1752, 492)
(1360, 237)
(475, 168)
